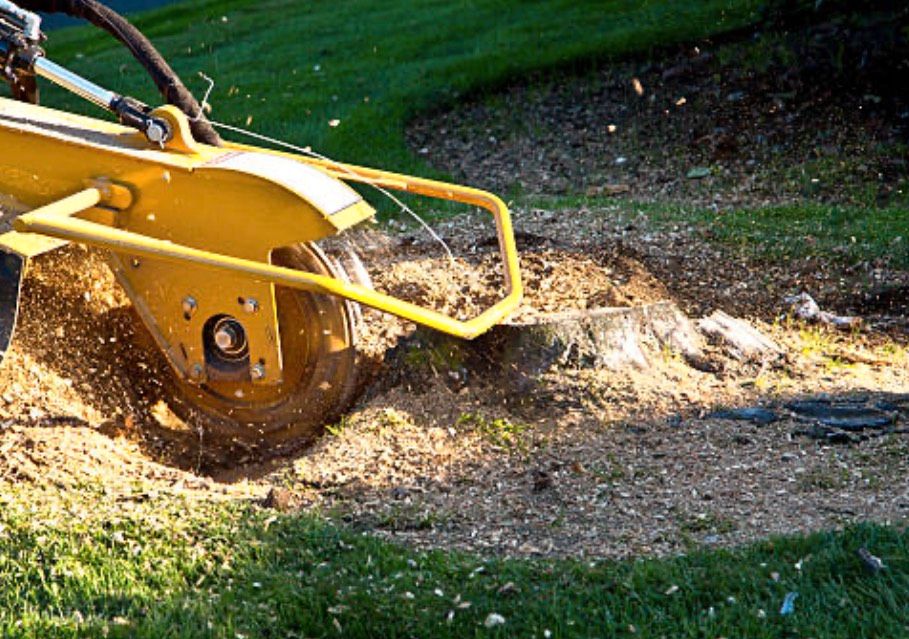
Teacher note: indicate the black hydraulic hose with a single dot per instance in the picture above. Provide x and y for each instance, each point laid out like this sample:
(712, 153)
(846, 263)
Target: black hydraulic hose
(169, 84)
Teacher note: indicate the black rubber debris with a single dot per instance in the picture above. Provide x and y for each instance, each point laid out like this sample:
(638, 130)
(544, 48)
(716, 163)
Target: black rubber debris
(851, 416)
(755, 415)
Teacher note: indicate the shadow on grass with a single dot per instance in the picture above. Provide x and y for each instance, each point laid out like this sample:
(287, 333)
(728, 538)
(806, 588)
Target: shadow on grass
(247, 573)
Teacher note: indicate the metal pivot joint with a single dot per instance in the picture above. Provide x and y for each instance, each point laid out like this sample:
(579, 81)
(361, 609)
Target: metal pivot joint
(23, 59)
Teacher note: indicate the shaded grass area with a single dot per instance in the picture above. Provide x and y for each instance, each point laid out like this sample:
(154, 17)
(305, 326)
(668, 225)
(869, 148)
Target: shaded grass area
(290, 68)
(176, 567)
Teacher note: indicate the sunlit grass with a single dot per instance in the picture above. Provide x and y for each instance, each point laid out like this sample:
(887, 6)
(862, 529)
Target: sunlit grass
(844, 234)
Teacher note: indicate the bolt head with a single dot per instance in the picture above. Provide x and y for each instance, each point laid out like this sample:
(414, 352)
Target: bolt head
(251, 305)
(226, 338)
(155, 133)
(196, 371)
(189, 305)
(257, 371)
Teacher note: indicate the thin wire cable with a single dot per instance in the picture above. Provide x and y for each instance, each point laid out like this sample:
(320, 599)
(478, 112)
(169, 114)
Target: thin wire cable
(308, 151)
(204, 103)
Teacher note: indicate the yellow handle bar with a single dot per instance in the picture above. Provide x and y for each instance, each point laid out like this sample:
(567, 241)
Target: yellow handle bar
(57, 220)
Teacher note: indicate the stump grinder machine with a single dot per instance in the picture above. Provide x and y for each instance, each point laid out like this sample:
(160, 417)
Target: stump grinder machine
(215, 243)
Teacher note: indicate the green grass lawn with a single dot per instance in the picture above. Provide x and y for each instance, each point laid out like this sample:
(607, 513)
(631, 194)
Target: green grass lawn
(87, 565)
(292, 67)
(289, 69)
(847, 233)
(842, 233)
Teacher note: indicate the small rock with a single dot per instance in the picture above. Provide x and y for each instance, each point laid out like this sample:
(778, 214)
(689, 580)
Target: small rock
(698, 172)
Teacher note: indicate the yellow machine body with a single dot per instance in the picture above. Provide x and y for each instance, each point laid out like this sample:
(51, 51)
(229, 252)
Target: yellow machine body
(190, 229)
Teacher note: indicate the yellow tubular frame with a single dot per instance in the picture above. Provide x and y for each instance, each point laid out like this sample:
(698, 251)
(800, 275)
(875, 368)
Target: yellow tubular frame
(57, 220)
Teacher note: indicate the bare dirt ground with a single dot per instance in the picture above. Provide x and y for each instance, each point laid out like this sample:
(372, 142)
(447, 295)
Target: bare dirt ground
(809, 111)
(584, 462)
(603, 462)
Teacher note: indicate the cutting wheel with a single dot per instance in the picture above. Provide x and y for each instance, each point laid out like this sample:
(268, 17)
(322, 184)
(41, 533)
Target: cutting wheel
(317, 343)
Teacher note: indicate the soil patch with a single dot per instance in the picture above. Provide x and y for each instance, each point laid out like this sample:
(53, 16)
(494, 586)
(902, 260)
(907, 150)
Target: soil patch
(590, 462)
(811, 113)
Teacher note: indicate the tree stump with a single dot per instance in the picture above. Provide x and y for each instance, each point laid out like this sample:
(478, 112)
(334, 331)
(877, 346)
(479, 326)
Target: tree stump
(515, 355)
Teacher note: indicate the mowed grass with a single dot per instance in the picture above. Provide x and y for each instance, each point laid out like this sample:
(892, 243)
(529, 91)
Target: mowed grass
(847, 234)
(289, 68)
(346, 77)
(92, 564)
(844, 234)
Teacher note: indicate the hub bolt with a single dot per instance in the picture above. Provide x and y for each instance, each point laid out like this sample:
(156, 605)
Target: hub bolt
(227, 337)
(189, 306)
(250, 305)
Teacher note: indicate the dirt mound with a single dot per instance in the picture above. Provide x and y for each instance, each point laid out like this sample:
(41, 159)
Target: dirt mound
(461, 464)
(555, 279)
(610, 462)
(81, 358)
(66, 453)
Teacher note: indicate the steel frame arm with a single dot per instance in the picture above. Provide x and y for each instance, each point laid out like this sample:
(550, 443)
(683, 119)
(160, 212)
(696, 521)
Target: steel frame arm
(58, 220)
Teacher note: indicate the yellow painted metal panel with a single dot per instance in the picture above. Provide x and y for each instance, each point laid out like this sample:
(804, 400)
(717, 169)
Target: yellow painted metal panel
(201, 222)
